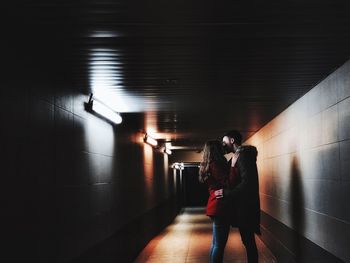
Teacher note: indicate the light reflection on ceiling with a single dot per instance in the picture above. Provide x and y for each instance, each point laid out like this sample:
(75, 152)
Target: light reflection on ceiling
(105, 82)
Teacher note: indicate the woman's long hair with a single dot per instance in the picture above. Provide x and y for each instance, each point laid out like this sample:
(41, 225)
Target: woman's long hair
(213, 151)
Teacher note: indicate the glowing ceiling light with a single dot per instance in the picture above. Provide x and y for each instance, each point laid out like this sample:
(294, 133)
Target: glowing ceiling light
(178, 166)
(104, 34)
(107, 80)
(150, 140)
(95, 55)
(168, 151)
(97, 69)
(104, 62)
(103, 110)
(99, 60)
(167, 148)
(182, 166)
(168, 145)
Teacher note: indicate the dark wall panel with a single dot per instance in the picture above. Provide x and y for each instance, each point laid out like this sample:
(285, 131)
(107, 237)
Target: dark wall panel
(73, 181)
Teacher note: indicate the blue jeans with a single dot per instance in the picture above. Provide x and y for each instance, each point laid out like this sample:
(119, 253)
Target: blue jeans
(221, 229)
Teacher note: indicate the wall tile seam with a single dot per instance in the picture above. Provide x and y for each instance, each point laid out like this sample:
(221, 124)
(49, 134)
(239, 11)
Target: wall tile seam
(274, 119)
(339, 152)
(58, 94)
(274, 157)
(277, 134)
(48, 101)
(259, 131)
(305, 178)
(62, 108)
(33, 99)
(321, 145)
(306, 149)
(275, 237)
(329, 216)
(322, 110)
(96, 153)
(76, 115)
(288, 127)
(280, 243)
(287, 202)
(285, 153)
(280, 132)
(86, 185)
(293, 126)
(345, 98)
(321, 179)
(308, 209)
(77, 151)
(335, 70)
(266, 194)
(280, 155)
(96, 184)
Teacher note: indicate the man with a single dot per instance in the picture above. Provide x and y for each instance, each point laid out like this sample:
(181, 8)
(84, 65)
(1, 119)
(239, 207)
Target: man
(245, 195)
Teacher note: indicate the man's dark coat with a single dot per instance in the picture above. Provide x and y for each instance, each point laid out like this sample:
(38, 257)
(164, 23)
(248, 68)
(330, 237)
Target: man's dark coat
(245, 196)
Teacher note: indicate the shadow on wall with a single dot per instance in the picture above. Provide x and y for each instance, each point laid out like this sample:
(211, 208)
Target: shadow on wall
(297, 209)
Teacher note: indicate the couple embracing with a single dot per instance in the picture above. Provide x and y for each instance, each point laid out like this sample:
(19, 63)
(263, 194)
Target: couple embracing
(233, 193)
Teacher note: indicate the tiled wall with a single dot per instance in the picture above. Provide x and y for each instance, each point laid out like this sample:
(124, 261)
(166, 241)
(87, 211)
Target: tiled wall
(71, 179)
(304, 164)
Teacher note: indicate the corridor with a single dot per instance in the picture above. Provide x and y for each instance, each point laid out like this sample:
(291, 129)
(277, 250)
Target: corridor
(120, 119)
(188, 239)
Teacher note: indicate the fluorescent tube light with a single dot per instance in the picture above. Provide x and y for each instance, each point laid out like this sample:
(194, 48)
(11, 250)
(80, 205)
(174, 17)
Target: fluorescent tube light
(103, 110)
(167, 148)
(178, 166)
(150, 140)
(168, 151)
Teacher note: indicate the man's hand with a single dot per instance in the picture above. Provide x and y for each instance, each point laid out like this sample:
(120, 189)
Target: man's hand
(219, 193)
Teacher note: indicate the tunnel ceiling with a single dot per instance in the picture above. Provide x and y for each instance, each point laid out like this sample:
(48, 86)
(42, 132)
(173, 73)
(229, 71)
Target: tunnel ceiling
(193, 69)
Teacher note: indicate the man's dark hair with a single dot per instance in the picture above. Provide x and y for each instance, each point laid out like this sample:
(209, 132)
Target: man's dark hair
(236, 135)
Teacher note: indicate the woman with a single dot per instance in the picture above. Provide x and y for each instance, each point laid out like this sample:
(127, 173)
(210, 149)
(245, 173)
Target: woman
(216, 173)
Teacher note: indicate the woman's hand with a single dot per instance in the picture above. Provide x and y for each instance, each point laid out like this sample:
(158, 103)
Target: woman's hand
(219, 193)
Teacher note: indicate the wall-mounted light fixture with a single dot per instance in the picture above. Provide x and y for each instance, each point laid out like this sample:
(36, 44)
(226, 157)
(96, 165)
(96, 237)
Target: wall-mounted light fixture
(167, 148)
(100, 108)
(168, 151)
(178, 166)
(148, 139)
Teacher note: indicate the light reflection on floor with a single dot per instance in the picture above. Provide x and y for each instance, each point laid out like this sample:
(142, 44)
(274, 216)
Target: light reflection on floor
(188, 239)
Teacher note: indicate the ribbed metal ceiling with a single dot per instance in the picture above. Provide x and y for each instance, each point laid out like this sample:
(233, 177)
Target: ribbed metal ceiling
(193, 69)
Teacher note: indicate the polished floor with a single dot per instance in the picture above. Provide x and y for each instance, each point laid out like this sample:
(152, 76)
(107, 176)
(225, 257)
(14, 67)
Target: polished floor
(188, 239)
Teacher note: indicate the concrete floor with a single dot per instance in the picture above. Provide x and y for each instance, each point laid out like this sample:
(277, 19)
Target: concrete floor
(188, 239)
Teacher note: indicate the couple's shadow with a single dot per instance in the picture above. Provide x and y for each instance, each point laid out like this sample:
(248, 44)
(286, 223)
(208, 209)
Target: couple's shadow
(297, 211)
